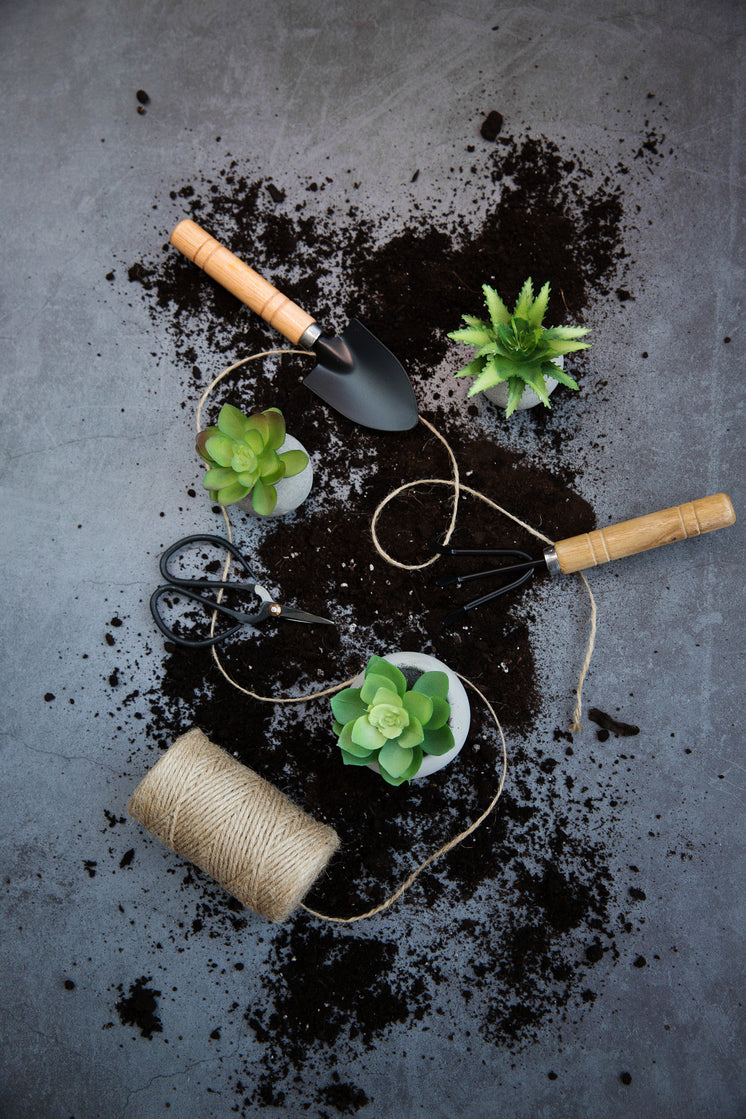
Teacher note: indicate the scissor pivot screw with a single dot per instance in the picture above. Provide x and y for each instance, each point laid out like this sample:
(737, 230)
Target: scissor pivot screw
(275, 609)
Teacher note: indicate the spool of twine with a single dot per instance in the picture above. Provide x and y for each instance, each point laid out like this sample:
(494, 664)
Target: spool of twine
(231, 823)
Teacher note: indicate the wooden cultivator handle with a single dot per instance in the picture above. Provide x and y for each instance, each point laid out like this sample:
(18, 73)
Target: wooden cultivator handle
(639, 535)
(231, 273)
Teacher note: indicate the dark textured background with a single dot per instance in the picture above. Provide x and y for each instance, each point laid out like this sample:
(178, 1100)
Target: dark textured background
(583, 957)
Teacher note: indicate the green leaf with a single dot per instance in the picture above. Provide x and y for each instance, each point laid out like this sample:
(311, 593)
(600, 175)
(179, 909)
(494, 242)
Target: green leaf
(253, 440)
(438, 742)
(220, 449)
(472, 369)
(263, 498)
(218, 477)
(515, 392)
(276, 428)
(201, 440)
(395, 759)
(248, 478)
(363, 734)
(412, 735)
(382, 667)
(535, 379)
(270, 467)
(345, 743)
(295, 462)
(539, 309)
(347, 705)
(522, 309)
(561, 332)
(552, 370)
(472, 335)
(499, 313)
(228, 494)
(433, 684)
(232, 422)
(419, 705)
(373, 683)
(441, 713)
(350, 759)
(408, 773)
(259, 423)
(337, 728)
(558, 348)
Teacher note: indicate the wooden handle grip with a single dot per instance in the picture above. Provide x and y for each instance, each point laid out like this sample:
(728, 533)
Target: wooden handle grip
(639, 535)
(242, 281)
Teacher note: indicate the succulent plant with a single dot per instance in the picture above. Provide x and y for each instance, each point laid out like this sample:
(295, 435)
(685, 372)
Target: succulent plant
(244, 457)
(516, 347)
(384, 722)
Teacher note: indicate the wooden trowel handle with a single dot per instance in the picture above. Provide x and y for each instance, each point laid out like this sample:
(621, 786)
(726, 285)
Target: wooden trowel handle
(626, 539)
(242, 281)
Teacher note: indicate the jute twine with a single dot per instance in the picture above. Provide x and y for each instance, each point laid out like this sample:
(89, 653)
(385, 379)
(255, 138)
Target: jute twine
(227, 820)
(224, 818)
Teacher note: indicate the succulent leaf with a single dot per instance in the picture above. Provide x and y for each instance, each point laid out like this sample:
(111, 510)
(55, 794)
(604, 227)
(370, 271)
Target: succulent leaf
(381, 667)
(226, 495)
(347, 705)
(263, 498)
(439, 741)
(363, 733)
(231, 421)
(259, 422)
(419, 706)
(372, 684)
(412, 735)
(395, 759)
(295, 462)
(201, 440)
(220, 449)
(271, 469)
(499, 313)
(276, 428)
(351, 759)
(432, 684)
(218, 477)
(441, 713)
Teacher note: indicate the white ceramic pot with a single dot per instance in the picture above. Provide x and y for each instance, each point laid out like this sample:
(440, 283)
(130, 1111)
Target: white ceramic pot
(413, 665)
(291, 492)
(498, 394)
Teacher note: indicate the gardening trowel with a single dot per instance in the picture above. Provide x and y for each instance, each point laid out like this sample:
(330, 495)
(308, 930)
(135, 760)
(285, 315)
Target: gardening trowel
(355, 373)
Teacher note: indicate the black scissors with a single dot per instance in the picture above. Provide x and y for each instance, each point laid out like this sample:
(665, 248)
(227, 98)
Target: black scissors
(190, 588)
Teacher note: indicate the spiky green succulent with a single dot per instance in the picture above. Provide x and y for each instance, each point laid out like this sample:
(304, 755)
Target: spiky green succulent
(244, 457)
(384, 722)
(516, 348)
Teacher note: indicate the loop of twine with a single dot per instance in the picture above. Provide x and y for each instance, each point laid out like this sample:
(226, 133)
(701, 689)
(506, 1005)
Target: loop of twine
(457, 487)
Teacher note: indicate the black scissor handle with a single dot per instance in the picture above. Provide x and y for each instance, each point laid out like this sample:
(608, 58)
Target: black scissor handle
(265, 611)
(204, 538)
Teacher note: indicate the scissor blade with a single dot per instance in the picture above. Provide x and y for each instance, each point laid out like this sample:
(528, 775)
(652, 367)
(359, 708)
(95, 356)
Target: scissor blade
(291, 615)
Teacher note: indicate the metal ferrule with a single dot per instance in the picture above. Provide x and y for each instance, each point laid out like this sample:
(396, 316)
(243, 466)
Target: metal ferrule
(309, 336)
(553, 564)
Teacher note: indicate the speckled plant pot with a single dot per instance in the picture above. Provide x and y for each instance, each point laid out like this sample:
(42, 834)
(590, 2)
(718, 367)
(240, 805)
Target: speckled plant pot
(498, 394)
(291, 492)
(413, 665)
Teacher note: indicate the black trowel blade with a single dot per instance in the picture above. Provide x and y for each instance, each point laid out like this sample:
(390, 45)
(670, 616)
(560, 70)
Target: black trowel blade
(357, 376)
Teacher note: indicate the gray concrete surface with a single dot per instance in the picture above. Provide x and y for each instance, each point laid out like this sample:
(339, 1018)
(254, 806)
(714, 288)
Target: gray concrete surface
(89, 411)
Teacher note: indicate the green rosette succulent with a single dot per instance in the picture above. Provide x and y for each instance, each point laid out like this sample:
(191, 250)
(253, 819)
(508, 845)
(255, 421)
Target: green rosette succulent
(243, 453)
(384, 722)
(516, 348)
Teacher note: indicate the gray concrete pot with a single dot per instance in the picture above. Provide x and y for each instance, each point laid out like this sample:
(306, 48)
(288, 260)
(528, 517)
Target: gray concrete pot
(413, 665)
(291, 492)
